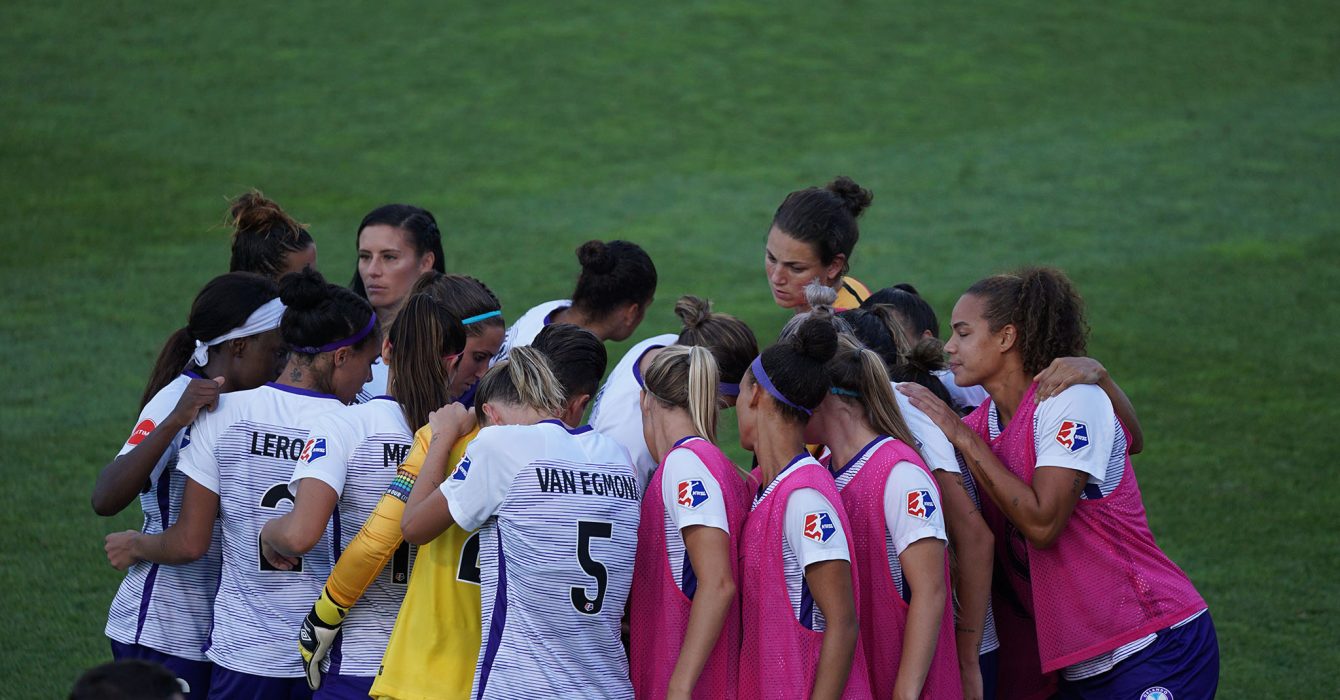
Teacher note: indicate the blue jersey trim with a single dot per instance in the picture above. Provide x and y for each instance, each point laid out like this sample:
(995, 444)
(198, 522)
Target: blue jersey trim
(300, 391)
(497, 621)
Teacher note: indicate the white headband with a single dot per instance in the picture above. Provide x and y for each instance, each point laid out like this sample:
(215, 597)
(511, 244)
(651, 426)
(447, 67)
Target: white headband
(263, 319)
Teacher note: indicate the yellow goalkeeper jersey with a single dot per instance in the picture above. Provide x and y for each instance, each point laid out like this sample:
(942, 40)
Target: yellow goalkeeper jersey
(850, 294)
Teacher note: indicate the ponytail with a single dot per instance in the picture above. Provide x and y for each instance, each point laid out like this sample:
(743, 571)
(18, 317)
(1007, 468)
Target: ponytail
(422, 334)
(858, 374)
(172, 360)
(523, 379)
(686, 377)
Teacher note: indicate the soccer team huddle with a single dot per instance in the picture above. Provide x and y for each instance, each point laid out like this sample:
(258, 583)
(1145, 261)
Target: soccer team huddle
(387, 489)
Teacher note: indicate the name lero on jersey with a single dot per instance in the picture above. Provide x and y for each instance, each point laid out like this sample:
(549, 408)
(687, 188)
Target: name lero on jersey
(556, 480)
(272, 445)
(393, 454)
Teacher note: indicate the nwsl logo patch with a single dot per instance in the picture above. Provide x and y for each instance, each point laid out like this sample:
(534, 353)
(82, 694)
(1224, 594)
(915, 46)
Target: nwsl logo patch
(1073, 435)
(185, 438)
(314, 449)
(819, 526)
(692, 493)
(462, 468)
(920, 504)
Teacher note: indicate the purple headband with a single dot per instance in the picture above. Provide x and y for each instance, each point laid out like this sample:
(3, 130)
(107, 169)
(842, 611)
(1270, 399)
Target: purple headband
(761, 377)
(728, 389)
(351, 340)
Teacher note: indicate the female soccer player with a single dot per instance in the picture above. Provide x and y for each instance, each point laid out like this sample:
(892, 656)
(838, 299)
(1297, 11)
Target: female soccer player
(230, 343)
(732, 344)
(898, 529)
(1112, 614)
(813, 235)
(481, 313)
(266, 240)
(558, 513)
(797, 564)
(396, 244)
(614, 289)
(685, 614)
(364, 447)
(238, 459)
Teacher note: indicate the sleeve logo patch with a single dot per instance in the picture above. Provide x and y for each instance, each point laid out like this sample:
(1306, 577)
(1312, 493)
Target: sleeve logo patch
(692, 493)
(920, 504)
(314, 449)
(1073, 435)
(462, 469)
(141, 431)
(819, 526)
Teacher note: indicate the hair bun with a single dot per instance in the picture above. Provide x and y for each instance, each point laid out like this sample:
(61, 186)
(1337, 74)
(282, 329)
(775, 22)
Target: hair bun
(816, 339)
(907, 288)
(595, 257)
(253, 211)
(693, 311)
(820, 297)
(303, 290)
(857, 198)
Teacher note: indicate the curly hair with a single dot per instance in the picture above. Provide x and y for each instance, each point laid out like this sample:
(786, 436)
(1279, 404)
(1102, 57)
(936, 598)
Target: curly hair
(1045, 309)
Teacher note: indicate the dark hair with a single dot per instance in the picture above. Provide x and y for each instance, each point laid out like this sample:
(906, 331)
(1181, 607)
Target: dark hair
(861, 373)
(879, 330)
(796, 366)
(613, 274)
(825, 217)
(223, 304)
(423, 332)
(415, 221)
(1045, 309)
(128, 679)
(263, 235)
(319, 313)
(464, 297)
(576, 355)
(730, 340)
(917, 313)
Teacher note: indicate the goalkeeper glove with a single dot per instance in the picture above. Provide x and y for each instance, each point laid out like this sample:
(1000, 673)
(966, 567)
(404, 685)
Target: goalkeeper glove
(318, 633)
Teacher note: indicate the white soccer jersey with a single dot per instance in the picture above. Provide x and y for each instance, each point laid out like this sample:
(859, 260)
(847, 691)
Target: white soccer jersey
(377, 385)
(558, 514)
(357, 452)
(935, 448)
(616, 413)
(245, 451)
(684, 467)
(902, 526)
(799, 550)
(965, 398)
(522, 332)
(165, 608)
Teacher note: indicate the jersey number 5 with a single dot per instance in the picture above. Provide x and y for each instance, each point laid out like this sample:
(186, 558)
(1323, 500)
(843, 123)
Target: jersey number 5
(586, 529)
(272, 498)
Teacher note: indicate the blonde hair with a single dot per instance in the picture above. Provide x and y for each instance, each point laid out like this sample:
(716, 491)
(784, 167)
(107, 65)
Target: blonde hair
(686, 377)
(858, 370)
(523, 379)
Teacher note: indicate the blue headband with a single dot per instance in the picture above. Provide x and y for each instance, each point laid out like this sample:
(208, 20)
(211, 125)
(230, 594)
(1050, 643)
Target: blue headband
(839, 391)
(762, 378)
(351, 340)
(480, 317)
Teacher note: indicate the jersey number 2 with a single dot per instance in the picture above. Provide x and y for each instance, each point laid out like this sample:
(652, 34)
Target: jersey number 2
(586, 529)
(272, 498)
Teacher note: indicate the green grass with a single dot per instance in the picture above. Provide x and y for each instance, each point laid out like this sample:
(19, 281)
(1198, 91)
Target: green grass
(1180, 161)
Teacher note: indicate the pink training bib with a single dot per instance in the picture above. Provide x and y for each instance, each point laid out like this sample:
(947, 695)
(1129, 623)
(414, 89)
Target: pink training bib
(1105, 582)
(659, 614)
(780, 657)
(883, 611)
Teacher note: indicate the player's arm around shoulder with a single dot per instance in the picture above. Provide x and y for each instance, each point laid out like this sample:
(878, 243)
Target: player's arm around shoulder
(426, 512)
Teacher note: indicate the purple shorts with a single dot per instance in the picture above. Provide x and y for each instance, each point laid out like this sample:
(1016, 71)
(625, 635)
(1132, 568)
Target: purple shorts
(337, 687)
(195, 673)
(226, 684)
(1183, 663)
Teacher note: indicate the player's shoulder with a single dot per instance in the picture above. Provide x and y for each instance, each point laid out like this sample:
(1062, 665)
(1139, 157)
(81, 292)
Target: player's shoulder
(601, 448)
(1086, 399)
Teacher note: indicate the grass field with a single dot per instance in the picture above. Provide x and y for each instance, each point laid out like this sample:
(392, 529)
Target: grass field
(1180, 160)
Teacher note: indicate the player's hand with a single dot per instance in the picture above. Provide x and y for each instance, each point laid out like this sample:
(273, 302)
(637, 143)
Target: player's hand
(317, 635)
(199, 394)
(277, 560)
(944, 417)
(120, 548)
(452, 419)
(1065, 372)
